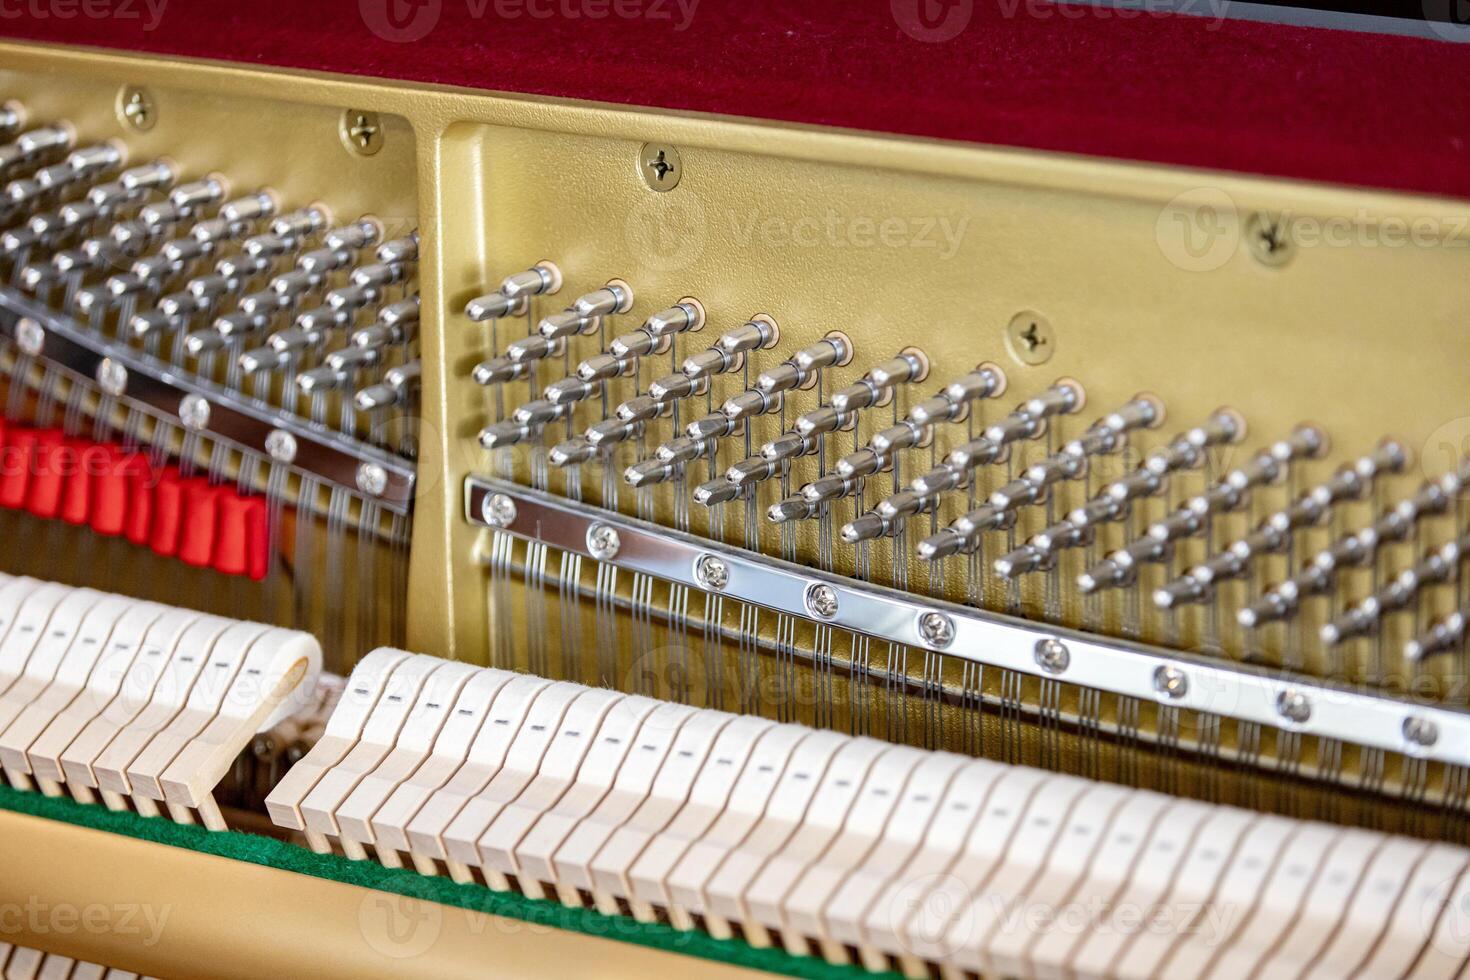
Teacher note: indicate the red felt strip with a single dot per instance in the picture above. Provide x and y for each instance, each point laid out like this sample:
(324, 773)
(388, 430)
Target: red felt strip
(117, 491)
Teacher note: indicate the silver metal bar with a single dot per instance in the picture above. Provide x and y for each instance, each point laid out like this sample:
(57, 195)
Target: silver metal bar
(228, 415)
(1280, 699)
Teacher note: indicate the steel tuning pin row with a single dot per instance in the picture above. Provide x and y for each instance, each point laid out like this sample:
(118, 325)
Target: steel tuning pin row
(512, 298)
(1440, 565)
(1027, 422)
(701, 437)
(952, 403)
(805, 435)
(1356, 549)
(1114, 502)
(1070, 463)
(727, 354)
(1229, 494)
(1274, 533)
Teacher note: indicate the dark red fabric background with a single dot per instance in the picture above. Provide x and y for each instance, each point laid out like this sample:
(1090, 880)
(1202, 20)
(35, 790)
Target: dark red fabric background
(1338, 106)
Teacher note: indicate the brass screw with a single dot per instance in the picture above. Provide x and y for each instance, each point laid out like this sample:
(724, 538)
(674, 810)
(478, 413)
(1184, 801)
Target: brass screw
(1030, 338)
(1269, 239)
(660, 165)
(135, 108)
(362, 132)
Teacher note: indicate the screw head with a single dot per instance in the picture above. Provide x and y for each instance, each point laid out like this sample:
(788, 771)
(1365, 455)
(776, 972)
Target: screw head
(661, 166)
(603, 541)
(1170, 681)
(1030, 338)
(936, 629)
(361, 132)
(1420, 731)
(30, 337)
(1052, 655)
(372, 479)
(281, 446)
(498, 510)
(711, 572)
(112, 377)
(1294, 706)
(194, 412)
(821, 600)
(1269, 239)
(135, 108)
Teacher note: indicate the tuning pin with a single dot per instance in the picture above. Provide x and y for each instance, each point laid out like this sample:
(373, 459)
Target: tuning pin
(648, 473)
(529, 349)
(498, 370)
(609, 432)
(397, 324)
(615, 297)
(297, 226)
(396, 388)
(543, 278)
(34, 145)
(572, 452)
(538, 412)
(789, 445)
(565, 324)
(874, 387)
(12, 119)
(191, 198)
(491, 306)
(676, 319)
(712, 426)
(601, 367)
(350, 238)
(675, 387)
(639, 343)
(751, 403)
(716, 491)
(1033, 484)
(827, 488)
(821, 420)
(801, 368)
(502, 434)
(682, 449)
(791, 509)
(569, 390)
(399, 251)
(729, 350)
(1447, 634)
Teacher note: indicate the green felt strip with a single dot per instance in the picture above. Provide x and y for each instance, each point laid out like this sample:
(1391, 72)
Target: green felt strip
(273, 853)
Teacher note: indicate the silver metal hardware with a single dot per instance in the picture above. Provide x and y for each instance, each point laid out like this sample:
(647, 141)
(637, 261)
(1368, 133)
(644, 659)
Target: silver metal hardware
(712, 572)
(1170, 681)
(603, 541)
(281, 446)
(372, 479)
(1052, 655)
(936, 629)
(1229, 689)
(112, 377)
(30, 337)
(498, 510)
(1294, 706)
(822, 600)
(194, 411)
